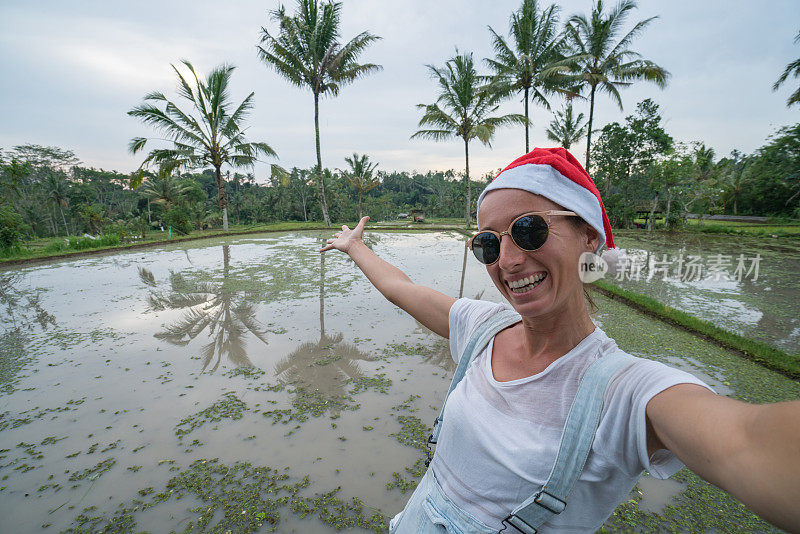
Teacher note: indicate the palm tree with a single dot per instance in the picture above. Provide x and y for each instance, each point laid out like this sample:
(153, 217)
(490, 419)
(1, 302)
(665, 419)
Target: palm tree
(792, 68)
(164, 188)
(566, 129)
(57, 191)
(360, 176)
(601, 62)
(463, 110)
(735, 177)
(307, 52)
(533, 62)
(214, 135)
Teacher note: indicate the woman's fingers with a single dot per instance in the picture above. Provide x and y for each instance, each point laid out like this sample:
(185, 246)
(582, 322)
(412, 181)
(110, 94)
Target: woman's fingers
(345, 233)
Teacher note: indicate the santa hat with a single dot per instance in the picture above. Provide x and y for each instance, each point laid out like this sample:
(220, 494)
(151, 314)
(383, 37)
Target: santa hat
(555, 174)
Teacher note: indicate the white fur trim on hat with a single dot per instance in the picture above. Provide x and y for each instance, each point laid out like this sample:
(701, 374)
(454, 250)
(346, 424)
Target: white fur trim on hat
(544, 180)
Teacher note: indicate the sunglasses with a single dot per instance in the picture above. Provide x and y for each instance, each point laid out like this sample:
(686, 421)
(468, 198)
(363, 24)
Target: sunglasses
(529, 232)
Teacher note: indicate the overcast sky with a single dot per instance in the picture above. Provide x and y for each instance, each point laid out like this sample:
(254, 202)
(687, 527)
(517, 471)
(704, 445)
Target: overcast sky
(72, 69)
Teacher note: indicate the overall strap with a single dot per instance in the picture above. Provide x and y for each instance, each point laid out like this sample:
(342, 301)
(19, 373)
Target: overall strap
(480, 338)
(579, 431)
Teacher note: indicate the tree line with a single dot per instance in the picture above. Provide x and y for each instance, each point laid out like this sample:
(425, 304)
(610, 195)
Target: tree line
(193, 180)
(640, 170)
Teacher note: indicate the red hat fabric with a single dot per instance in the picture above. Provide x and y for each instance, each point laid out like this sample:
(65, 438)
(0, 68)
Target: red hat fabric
(554, 173)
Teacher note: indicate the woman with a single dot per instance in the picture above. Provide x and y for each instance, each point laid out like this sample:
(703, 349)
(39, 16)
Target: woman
(500, 461)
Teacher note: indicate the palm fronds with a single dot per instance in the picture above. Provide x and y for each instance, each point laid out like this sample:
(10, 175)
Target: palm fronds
(210, 135)
(601, 60)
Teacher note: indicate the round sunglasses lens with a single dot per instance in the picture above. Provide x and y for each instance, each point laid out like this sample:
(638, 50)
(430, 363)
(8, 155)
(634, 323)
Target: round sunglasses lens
(486, 248)
(530, 232)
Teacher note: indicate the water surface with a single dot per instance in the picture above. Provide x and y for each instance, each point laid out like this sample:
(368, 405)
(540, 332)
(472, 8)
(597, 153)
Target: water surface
(758, 303)
(249, 384)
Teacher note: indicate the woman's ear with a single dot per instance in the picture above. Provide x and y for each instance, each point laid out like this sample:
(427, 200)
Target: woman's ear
(592, 238)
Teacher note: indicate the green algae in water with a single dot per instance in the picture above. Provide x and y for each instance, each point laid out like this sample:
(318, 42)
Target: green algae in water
(413, 433)
(307, 403)
(94, 472)
(236, 498)
(228, 407)
(15, 357)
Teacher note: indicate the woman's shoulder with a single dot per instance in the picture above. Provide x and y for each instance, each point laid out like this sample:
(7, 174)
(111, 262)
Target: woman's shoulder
(465, 317)
(466, 314)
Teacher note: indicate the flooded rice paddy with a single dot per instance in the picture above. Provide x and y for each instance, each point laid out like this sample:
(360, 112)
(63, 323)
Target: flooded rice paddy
(759, 303)
(250, 385)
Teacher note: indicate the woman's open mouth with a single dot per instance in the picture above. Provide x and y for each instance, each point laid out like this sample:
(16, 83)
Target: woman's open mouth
(526, 284)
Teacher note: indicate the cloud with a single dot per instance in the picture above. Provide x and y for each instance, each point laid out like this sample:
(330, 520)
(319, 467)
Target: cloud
(79, 66)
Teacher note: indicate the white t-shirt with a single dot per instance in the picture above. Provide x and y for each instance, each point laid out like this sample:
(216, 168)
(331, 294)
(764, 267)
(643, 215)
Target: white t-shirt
(499, 440)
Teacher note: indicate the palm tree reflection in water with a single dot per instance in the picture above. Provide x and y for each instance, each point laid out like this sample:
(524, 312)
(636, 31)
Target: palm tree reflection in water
(321, 370)
(226, 313)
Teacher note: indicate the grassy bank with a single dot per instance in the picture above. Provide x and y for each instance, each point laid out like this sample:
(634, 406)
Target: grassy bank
(62, 247)
(769, 229)
(762, 353)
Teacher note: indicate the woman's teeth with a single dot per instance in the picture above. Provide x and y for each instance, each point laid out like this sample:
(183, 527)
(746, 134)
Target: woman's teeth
(526, 284)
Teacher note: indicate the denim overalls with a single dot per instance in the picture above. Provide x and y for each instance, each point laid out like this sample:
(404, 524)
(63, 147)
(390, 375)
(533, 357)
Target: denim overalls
(430, 511)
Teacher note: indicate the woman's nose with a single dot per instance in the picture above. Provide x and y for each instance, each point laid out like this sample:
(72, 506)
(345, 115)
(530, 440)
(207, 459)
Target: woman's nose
(511, 255)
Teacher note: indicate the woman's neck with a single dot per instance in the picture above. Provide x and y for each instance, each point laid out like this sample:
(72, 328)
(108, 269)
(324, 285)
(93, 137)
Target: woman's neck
(550, 336)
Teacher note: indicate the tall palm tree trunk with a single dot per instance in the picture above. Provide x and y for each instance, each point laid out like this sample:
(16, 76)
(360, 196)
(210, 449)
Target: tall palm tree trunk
(466, 178)
(359, 205)
(652, 216)
(589, 128)
(527, 143)
(66, 228)
(223, 199)
(322, 201)
(52, 220)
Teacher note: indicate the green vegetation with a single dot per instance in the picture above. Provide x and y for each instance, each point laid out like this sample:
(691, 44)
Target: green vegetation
(228, 407)
(360, 176)
(237, 498)
(566, 129)
(762, 353)
(768, 229)
(641, 171)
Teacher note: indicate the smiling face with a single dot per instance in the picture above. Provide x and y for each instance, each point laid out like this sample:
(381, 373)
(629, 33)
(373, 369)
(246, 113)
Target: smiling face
(545, 281)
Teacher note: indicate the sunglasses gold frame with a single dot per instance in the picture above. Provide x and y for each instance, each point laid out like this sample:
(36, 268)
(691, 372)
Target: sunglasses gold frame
(544, 214)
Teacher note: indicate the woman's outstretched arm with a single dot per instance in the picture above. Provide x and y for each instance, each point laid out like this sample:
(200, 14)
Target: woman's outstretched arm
(752, 451)
(426, 305)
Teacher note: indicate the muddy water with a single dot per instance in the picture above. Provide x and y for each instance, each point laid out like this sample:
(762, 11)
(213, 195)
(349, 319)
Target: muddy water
(120, 369)
(761, 305)
(250, 385)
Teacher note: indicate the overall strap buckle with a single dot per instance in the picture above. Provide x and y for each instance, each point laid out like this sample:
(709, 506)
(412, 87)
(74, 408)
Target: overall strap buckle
(550, 502)
(517, 524)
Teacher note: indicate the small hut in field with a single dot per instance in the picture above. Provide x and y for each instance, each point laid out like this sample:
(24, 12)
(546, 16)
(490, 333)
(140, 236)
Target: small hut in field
(418, 215)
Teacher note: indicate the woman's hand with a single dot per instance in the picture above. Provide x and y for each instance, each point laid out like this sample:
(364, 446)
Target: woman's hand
(346, 238)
